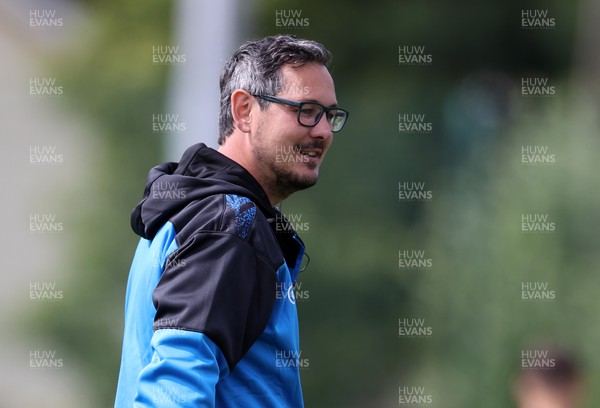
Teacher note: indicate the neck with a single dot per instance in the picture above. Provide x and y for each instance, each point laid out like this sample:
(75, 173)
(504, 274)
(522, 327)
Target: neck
(244, 158)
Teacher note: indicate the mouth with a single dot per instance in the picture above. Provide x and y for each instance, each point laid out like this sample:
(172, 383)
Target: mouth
(312, 152)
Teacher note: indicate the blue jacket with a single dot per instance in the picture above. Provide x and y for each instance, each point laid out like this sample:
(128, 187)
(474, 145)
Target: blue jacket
(210, 320)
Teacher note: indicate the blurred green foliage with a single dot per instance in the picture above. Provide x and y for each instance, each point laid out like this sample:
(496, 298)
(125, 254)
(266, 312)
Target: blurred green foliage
(471, 227)
(113, 85)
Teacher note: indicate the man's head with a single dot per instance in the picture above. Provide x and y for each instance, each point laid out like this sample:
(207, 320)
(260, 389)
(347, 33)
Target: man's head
(558, 387)
(262, 125)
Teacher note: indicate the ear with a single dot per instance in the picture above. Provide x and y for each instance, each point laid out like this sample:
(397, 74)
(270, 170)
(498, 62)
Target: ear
(241, 109)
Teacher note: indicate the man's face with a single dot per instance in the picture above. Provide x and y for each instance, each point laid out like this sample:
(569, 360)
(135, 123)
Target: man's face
(289, 154)
(531, 391)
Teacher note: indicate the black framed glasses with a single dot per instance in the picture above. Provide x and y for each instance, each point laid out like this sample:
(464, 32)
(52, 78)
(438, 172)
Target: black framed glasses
(310, 113)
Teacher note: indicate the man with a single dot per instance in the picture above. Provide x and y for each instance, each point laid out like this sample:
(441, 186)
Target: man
(204, 322)
(559, 386)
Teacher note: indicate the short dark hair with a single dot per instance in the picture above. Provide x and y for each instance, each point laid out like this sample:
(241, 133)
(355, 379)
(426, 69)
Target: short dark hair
(565, 372)
(255, 67)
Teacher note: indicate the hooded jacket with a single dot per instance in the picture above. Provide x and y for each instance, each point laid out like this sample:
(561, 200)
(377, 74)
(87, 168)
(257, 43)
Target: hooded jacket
(210, 317)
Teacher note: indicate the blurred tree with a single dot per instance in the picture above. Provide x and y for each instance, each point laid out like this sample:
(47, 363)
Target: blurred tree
(482, 256)
(114, 84)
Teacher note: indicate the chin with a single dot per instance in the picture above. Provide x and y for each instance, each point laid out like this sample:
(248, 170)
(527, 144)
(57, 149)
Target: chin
(308, 182)
(304, 179)
(309, 175)
(292, 179)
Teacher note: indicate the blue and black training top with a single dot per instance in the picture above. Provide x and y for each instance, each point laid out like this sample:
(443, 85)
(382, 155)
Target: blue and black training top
(204, 323)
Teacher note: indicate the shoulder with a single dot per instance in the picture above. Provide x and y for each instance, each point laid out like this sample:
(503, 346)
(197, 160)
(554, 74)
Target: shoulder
(229, 214)
(239, 215)
(218, 213)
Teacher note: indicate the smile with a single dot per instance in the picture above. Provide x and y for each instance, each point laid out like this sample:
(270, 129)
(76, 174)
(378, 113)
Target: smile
(312, 152)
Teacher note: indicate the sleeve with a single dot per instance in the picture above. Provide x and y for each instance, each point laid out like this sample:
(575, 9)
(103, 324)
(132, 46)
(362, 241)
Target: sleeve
(212, 302)
(183, 372)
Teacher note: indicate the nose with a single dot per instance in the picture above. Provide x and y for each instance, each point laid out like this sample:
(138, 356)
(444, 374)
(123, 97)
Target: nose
(322, 129)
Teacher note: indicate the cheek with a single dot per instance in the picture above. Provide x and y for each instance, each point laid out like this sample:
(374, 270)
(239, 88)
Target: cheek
(269, 128)
(282, 128)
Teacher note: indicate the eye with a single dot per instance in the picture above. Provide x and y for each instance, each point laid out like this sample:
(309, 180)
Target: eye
(310, 110)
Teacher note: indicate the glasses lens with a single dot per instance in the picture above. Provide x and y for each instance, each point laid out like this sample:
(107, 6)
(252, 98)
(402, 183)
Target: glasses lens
(336, 118)
(309, 114)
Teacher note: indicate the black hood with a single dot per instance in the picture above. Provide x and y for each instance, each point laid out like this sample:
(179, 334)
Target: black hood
(202, 172)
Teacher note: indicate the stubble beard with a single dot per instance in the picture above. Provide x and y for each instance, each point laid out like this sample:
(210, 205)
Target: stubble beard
(281, 180)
